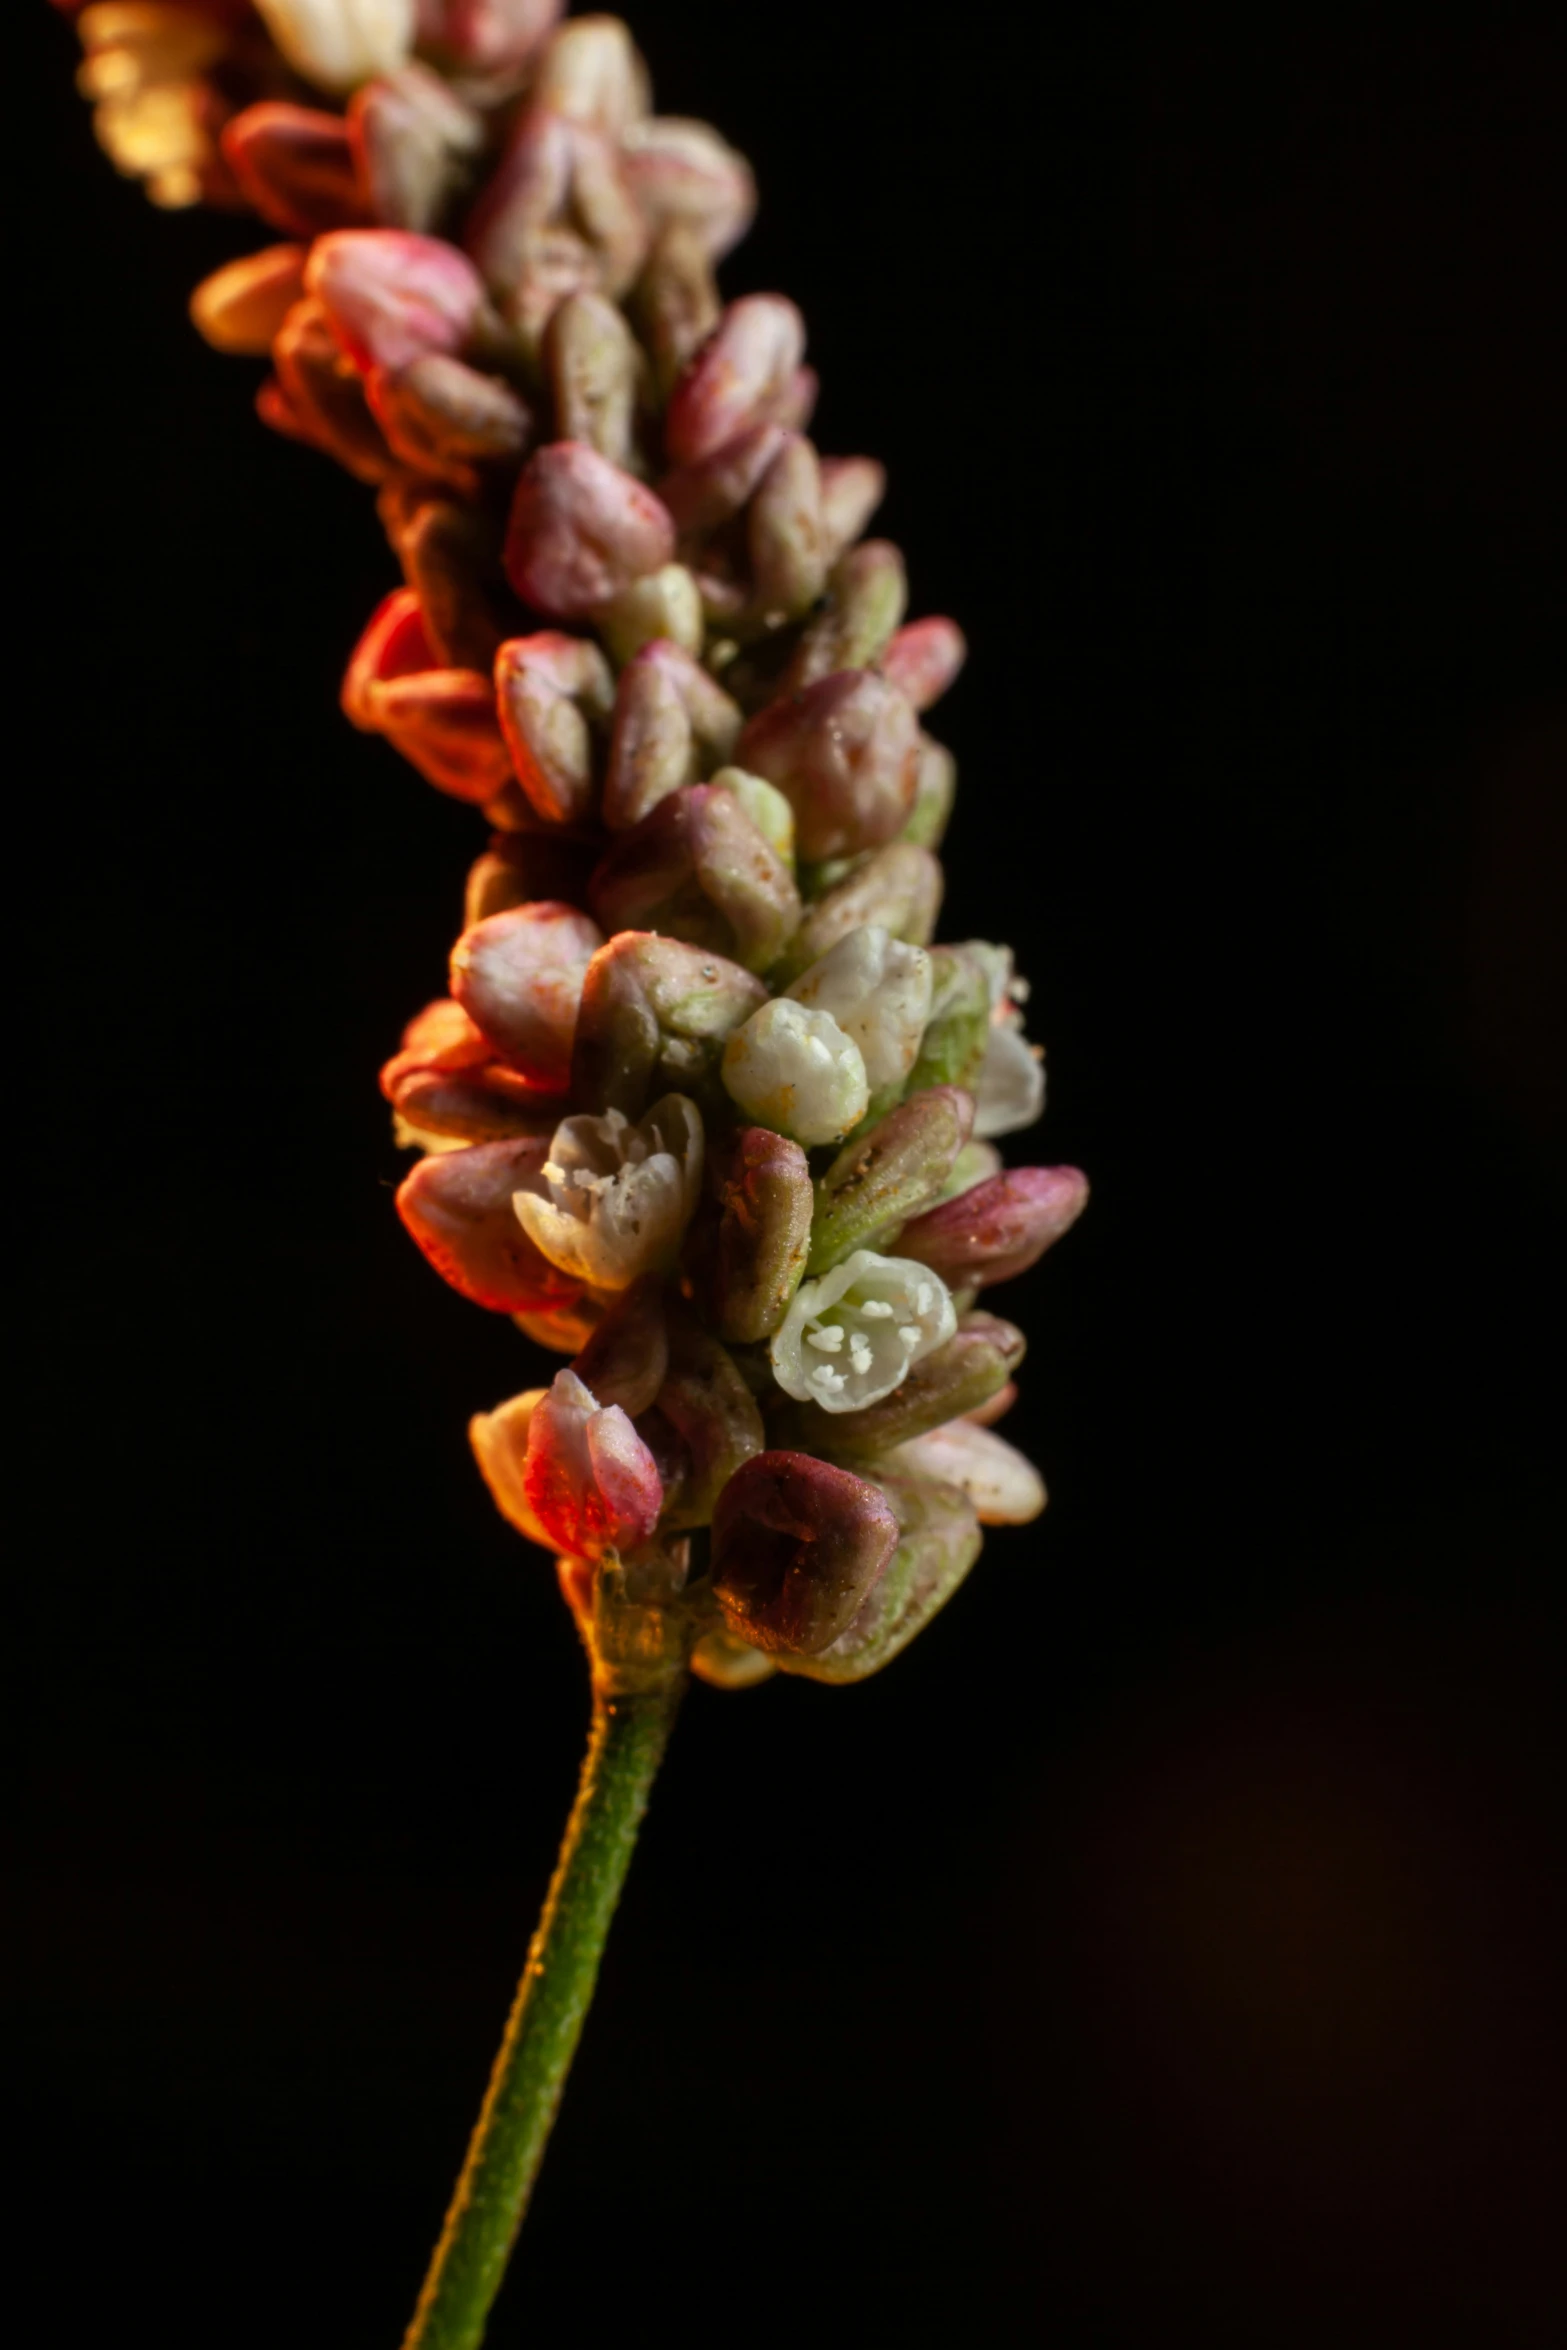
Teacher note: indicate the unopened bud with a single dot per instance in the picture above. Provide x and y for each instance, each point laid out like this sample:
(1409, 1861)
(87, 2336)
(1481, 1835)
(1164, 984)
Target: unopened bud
(485, 36)
(876, 1184)
(852, 489)
(979, 1358)
(582, 531)
(865, 599)
(296, 167)
(627, 1356)
(519, 977)
(587, 1476)
(999, 1227)
(701, 498)
(612, 1200)
(443, 722)
(784, 534)
(447, 420)
(655, 1010)
(440, 1037)
(727, 1663)
(938, 1540)
(500, 1446)
(923, 660)
(433, 1108)
(934, 791)
(975, 1162)
(667, 603)
(556, 214)
(458, 1207)
(241, 306)
(554, 693)
(414, 144)
(336, 44)
(324, 398)
(899, 889)
(766, 806)
(592, 362)
(744, 375)
(676, 300)
(698, 869)
(798, 1547)
(797, 1072)
(878, 990)
(394, 644)
(952, 1050)
(592, 73)
(1005, 1489)
(684, 175)
(763, 1233)
(449, 551)
(844, 753)
(714, 1419)
(391, 296)
(673, 723)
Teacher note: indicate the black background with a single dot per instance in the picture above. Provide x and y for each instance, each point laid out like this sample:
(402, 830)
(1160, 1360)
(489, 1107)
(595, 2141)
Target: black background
(1164, 1950)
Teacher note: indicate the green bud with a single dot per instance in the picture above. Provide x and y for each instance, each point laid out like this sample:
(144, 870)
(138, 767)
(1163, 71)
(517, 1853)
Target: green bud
(867, 592)
(764, 1232)
(654, 1017)
(898, 888)
(953, 1046)
(938, 1541)
(876, 1184)
(935, 788)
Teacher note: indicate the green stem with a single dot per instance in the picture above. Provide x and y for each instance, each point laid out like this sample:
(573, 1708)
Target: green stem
(624, 1751)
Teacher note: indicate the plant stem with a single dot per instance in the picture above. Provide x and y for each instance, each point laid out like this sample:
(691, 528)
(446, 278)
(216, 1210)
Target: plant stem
(625, 1748)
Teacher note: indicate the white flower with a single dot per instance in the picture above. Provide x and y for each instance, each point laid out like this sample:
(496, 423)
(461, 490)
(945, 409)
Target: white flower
(1006, 1489)
(1009, 1092)
(616, 1197)
(878, 991)
(796, 1071)
(337, 44)
(849, 1338)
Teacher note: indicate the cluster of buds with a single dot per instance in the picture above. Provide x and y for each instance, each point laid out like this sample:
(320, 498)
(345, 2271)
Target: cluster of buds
(704, 1109)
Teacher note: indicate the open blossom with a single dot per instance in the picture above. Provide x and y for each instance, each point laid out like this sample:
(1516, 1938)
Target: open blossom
(878, 991)
(1009, 1091)
(613, 1199)
(795, 1070)
(850, 1337)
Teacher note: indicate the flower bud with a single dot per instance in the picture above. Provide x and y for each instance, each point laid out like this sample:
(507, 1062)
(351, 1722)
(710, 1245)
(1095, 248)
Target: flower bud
(323, 400)
(485, 36)
(519, 977)
(766, 806)
(938, 1540)
(458, 1208)
(434, 1110)
(625, 1359)
(612, 1199)
(852, 489)
(500, 1446)
(521, 867)
(899, 888)
(414, 144)
(698, 869)
(582, 531)
(744, 375)
(296, 167)
(561, 1330)
(683, 175)
(702, 498)
(763, 1235)
(844, 753)
(934, 791)
(676, 301)
(975, 1163)
(673, 723)
(391, 296)
(664, 604)
(878, 991)
(851, 1336)
(1005, 1489)
(555, 215)
(1000, 1227)
(448, 554)
(796, 1071)
(336, 44)
(554, 691)
(587, 1476)
(727, 1663)
(1010, 1086)
(923, 659)
(979, 1358)
(798, 1547)
(784, 534)
(875, 1185)
(241, 306)
(714, 1420)
(440, 1037)
(443, 721)
(654, 1008)
(865, 600)
(592, 362)
(952, 1050)
(447, 420)
(591, 73)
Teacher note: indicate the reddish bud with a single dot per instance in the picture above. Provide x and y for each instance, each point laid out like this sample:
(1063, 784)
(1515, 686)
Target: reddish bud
(485, 36)
(627, 1356)
(672, 724)
(390, 295)
(684, 175)
(458, 1208)
(553, 692)
(798, 1547)
(702, 498)
(393, 645)
(845, 754)
(593, 365)
(555, 215)
(588, 1477)
(443, 721)
(924, 659)
(413, 142)
(764, 1232)
(743, 375)
(447, 420)
(240, 308)
(997, 1228)
(655, 1009)
(519, 976)
(440, 1038)
(938, 1541)
(581, 531)
(295, 166)
(698, 869)
(325, 400)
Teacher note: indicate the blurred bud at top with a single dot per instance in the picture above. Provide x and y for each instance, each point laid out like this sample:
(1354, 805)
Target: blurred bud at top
(485, 36)
(798, 1547)
(587, 1477)
(337, 44)
(295, 165)
(592, 73)
(684, 175)
(414, 143)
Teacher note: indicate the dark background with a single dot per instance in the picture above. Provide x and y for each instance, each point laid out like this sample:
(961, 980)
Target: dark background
(1165, 1950)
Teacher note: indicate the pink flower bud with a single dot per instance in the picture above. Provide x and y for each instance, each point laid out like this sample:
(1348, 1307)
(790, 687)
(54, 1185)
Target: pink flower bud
(697, 868)
(924, 659)
(763, 1233)
(852, 489)
(555, 215)
(296, 167)
(701, 498)
(655, 1010)
(845, 754)
(485, 36)
(458, 1207)
(798, 1547)
(554, 692)
(938, 1541)
(440, 1038)
(582, 531)
(743, 375)
(325, 400)
(627, 1356)
(447, 420)
(998, 1228)
(519, 977)
(413, 142)
(241, 306)
(391, 296)
(588, 1478)
(784, 536)
(683, 174)
(673, 723)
